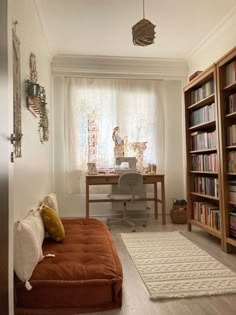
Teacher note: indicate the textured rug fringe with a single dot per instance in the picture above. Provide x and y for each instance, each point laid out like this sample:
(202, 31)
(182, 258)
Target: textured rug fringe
(154, 297)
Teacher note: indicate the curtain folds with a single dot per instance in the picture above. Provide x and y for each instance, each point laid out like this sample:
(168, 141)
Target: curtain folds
(94, 106)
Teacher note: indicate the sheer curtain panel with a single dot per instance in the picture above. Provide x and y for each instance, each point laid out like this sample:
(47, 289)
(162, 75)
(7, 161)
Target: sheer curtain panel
(94, 107)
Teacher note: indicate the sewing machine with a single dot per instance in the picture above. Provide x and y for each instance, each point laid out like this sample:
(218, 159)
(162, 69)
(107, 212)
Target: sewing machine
(125, 165)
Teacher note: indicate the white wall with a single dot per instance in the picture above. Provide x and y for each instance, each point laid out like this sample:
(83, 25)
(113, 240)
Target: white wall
(174, 142)
(215, 45)
(32, 174)
(173, 74)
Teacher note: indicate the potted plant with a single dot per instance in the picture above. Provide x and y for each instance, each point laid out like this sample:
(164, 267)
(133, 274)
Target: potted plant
(32, 88)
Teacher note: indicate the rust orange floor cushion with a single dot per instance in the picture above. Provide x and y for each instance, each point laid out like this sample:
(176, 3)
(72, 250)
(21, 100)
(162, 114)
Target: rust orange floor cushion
(84, 276)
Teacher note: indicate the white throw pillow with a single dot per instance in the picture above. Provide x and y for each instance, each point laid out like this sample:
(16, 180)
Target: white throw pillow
(28, 239)
(51, 201)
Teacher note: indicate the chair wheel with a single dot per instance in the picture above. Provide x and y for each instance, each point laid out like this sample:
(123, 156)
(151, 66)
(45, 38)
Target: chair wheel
(144, 224)
(133, 230)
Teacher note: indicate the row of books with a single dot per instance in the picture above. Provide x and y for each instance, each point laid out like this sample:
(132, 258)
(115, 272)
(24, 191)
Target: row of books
(232, 103)
(204, 162)
(206, 185)
(201, 115)
(231, 135)
(202, 92)
(207, 213)
(232, 222)
(203, 140)
(232, 162)
(232, 190)
(230, 73)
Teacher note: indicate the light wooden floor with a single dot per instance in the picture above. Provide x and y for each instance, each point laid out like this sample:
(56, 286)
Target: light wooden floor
(136, 297)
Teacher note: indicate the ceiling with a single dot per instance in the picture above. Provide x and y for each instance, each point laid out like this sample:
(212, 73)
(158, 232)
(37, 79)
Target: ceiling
(103, 27)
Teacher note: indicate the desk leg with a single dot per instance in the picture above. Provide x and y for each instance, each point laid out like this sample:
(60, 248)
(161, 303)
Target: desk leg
(87, 199)
(163, 201)
(155, 202)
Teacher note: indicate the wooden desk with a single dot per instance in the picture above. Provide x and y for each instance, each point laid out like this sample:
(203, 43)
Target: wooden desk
(111, 179)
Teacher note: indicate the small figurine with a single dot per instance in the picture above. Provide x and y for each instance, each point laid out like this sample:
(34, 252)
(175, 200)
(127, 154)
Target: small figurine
(116, 137)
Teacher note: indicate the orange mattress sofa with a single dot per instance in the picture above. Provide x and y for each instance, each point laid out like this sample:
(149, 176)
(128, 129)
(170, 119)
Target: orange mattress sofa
(84, 276)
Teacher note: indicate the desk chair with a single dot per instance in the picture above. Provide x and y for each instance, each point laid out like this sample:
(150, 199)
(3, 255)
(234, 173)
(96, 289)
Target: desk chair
(130, 187)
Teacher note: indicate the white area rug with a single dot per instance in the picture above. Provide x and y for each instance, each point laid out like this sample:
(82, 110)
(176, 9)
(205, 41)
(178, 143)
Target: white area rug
(171, 266)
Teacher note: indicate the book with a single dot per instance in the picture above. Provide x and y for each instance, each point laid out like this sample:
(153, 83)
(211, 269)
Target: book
(230, 72)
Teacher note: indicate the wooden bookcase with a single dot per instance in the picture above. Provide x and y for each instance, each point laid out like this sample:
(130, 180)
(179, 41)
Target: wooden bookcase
(210, 116)
(226, 92)
(202, 148)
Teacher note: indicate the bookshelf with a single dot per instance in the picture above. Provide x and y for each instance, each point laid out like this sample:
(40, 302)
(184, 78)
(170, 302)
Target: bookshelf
(203, 154)
(226, 90)
(210, 120)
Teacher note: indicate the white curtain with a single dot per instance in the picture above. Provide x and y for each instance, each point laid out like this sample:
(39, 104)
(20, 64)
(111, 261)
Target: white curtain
(136, 106)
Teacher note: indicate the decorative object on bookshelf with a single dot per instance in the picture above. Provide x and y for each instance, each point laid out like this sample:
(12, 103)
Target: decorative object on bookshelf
(36, 100)
(194, 75)
(178, 213)
(210, 117)
(171, 266)
(144, 31)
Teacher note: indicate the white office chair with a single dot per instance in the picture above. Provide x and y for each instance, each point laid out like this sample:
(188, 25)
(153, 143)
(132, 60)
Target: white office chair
(130, 187)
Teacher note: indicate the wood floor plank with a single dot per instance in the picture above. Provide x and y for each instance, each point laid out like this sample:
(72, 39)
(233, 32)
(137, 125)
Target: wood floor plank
(135, 295)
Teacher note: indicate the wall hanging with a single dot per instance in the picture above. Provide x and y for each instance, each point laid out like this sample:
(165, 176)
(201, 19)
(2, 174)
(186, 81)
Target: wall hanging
(36, 99)
(17, 134)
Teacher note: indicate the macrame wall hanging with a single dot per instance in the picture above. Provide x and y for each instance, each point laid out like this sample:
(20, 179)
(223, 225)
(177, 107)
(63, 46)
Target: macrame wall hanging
(36, 99)
(143, 32)
(17, 135)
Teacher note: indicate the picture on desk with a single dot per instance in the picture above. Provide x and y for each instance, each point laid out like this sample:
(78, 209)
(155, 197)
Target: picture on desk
(92, 169)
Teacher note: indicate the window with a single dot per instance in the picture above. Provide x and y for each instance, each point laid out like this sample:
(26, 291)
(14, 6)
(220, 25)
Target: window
(94, 107)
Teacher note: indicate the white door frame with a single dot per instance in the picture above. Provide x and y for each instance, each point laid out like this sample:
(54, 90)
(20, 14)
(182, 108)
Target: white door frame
(6, 121)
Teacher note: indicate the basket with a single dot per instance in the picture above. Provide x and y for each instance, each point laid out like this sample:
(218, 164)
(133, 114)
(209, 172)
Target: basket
(178, 214)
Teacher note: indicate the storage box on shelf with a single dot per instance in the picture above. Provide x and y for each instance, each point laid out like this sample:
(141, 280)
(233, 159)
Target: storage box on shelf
(226, 87)
(203, 176)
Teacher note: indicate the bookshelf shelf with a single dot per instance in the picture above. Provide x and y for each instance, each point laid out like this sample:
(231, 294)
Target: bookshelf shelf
(207, 228)
(203, 125)
(203, 151)
(230, 87)
(231, 241)
(201, 103)
(231, 115)
(230, 147)
(204, 172)
(204, 196)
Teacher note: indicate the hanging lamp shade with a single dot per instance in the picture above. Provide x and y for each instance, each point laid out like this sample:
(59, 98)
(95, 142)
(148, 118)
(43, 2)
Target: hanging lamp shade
(143, 33)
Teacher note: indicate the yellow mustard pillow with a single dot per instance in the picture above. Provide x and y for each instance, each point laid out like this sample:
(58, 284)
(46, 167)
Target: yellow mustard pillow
(52, 223)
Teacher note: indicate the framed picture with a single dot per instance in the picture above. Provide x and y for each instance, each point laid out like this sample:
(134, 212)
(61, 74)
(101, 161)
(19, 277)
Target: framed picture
(92, 169)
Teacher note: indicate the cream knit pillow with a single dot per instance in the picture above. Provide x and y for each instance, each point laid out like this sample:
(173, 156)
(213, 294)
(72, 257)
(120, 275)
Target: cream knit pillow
(50, 200)
(28, 239)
